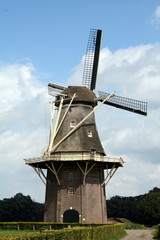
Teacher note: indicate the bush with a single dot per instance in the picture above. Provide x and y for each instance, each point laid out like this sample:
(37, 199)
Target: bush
(131, 225)
(105, 232)
(158, 231)
(40, 225)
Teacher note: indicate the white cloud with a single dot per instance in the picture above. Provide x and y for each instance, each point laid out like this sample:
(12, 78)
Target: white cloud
(156, 17)
(157, 12)
(77, 73)
(133, 72)
(134, 179)
(23, 130)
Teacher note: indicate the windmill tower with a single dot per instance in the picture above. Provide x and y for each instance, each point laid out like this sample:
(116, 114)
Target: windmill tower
(75, 159)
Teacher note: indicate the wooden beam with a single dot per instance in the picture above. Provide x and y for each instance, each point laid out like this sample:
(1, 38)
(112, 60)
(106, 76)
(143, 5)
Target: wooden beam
(80, 123)
(110, 174)
(53, 170)
(38, 173)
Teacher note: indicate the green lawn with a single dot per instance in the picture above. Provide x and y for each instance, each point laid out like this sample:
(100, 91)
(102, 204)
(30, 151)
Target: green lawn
(13, 232)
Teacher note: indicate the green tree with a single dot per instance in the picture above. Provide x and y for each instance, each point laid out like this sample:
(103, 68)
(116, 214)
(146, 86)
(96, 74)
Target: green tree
(20, 208)
(149, 207)
(143, 209)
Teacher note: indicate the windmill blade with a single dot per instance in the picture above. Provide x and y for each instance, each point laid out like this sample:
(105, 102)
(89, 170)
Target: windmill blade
(52, 85)
(128, 104)
(92, 58)
(54, 89)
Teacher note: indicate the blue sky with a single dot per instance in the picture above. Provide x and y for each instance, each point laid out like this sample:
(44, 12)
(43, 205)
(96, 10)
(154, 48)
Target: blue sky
(54, 33)
(45, 41)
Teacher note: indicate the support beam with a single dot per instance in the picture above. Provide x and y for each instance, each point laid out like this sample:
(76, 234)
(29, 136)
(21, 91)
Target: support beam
(53, 170)
(80, 123)
(55, 128)
(52, 117)
(85, 172)
(110, 175)
(59, 168)
(74, 95)
(39, 174)
(41, 171)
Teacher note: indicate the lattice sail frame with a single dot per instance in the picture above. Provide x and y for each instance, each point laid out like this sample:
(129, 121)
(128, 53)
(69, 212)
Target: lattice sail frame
(128, 104)
(92, 58)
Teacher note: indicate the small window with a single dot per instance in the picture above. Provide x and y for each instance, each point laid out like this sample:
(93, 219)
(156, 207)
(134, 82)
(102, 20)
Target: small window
(89, 134)
(93, 151)
(71, 190)
(92, 154)
(70, 176)
(72, 124)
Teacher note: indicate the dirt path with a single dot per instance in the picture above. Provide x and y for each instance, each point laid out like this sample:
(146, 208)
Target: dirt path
(138, 234)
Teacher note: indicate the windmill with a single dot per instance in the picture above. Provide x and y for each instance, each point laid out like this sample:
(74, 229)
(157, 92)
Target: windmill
(75, 159)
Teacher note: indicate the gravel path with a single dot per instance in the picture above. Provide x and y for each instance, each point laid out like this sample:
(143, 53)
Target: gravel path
(138, 234)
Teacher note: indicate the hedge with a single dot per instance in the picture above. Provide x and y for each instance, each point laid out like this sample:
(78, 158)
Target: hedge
(40, 225)
(104, 232)
(158, 230)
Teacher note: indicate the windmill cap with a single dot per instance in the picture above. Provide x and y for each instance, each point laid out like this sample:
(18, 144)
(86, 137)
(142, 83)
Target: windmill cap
(83, 95)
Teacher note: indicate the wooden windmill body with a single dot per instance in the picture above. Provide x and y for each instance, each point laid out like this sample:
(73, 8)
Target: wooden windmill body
(75, 159)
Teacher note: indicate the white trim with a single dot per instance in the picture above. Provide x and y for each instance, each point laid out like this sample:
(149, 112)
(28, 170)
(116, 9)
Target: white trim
(83, 156)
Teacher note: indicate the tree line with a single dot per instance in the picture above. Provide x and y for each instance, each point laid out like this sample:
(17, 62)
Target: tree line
(20, 208)
(143, 209)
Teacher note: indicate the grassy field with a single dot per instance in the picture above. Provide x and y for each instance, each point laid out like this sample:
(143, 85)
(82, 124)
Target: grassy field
(14, 232)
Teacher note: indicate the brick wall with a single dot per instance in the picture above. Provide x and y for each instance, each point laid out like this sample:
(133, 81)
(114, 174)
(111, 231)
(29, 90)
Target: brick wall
(88, 197)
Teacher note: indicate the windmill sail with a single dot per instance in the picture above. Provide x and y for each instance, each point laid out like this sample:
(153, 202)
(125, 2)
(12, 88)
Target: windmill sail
(128, 104)
(56, 86)
(75, 159)
(54, 89)
(92, 58)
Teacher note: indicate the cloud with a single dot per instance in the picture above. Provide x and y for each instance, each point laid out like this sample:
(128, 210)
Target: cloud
(155, 20)
(76, 77)
(23, 132)
(132, 72)
(134, 178)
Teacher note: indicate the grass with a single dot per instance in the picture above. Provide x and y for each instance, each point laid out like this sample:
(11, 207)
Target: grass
(14, 232)
(20, 232)
(131, 225)
(155, 235)
(119, 236)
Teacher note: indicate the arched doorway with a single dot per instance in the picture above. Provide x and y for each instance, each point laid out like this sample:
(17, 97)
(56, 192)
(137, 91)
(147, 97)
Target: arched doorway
(71, 216)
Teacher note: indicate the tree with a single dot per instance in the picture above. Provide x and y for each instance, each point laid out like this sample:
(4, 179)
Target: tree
(141, 209)
(20, 208)
(149, 207)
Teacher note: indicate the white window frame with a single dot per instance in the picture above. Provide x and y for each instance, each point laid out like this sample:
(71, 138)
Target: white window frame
(89, 133)
(72, 124)
(71, 190)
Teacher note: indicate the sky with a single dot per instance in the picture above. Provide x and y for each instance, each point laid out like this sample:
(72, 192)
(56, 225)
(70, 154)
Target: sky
(45, 41)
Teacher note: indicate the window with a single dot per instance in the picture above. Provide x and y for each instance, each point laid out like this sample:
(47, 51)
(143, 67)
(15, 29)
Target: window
(71, 190)
(72, 124)
(92, 154)
(70, 176)
(93, 151)
(89, 134)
